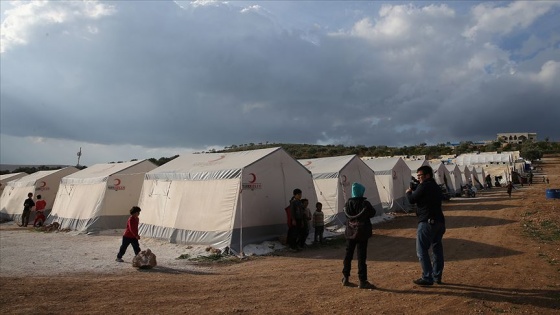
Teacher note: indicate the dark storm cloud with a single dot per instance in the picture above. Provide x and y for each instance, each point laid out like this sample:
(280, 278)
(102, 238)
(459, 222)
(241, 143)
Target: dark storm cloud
(154, 74)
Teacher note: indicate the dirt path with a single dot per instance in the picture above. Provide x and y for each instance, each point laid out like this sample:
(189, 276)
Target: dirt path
(502, 256)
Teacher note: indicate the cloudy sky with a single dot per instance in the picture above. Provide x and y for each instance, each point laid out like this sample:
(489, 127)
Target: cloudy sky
(141, 79)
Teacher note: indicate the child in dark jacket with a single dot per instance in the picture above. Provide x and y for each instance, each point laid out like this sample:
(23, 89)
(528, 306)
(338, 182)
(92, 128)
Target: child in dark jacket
(130, 236)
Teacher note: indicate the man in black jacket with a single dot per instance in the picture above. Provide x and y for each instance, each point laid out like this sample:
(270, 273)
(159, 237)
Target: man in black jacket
(431, 225)
(358, 213)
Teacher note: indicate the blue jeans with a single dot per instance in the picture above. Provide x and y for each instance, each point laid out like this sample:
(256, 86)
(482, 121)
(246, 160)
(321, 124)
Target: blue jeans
(430, 235)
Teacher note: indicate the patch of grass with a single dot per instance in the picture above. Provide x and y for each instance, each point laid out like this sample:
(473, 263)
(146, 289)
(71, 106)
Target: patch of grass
(184, 256)
(550, 260)
(546, 230)
(218, 258)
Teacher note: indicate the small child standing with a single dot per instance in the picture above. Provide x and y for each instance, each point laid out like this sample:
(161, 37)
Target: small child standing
(319, 222)
(130, 236)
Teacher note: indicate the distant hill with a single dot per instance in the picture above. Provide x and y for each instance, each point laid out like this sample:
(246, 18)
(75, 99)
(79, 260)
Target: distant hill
(12, 167)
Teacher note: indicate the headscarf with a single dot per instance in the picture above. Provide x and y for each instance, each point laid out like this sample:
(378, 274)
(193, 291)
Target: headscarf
(358, 190)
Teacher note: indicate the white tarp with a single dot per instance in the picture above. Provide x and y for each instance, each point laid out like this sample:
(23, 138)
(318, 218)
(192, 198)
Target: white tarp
(392, 177)
(333, 178)
(44, 183)
(99, 197)
(222, 199)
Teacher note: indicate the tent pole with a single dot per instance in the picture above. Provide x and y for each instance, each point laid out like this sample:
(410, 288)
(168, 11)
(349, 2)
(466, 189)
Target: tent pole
(242, 254)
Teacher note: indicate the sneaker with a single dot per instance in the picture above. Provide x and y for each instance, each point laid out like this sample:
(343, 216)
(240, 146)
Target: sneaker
(345, 282)
(119, 260)
(366, 285)
(421, 281)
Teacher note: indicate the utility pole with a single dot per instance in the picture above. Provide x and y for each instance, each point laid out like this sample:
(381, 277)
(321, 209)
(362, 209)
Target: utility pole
(79, 155)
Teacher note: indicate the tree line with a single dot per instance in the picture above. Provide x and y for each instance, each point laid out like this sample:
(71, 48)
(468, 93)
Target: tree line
(528, 150)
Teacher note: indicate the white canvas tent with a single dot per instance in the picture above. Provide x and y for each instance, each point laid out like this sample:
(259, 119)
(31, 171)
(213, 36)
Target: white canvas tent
(100, 196)
(466, 175)
(333, 178)
(485, 158)
(44, 183)
(392, 177)
(222, 199)
(414, 165)
(456, 181)
(442, 176)
(478, 176)
(5, 178)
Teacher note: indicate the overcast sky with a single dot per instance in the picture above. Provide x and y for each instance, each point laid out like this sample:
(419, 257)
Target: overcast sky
(141, 79)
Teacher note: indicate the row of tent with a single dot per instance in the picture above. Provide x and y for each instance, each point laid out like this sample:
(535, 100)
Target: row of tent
(217, 199)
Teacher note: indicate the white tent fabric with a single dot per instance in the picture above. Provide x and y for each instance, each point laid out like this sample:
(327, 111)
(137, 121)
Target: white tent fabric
(442, 176)
(333, 178)
(5, 178)
(478, 175)
(456, 180)
(392, 177)
(44, 183)
(100, 196)
(222, 199)
(485, 158)
(502, 171)
(466, 175)
(414, 165)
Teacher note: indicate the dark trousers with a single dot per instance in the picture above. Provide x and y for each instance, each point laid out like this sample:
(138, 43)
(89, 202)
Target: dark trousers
(293, 233)
(128, 241)
(303, 233)
(362, 256)
(319, 234)
(25, 217)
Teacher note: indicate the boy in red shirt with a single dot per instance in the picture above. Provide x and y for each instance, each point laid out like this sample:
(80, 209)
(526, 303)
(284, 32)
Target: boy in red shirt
(40, 206)
(130, 236)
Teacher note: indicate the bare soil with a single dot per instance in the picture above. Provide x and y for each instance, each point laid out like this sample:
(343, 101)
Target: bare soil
(502, 256)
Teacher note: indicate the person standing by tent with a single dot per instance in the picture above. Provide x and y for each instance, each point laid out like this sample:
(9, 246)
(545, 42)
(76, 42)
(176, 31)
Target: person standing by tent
(318, 222)
(296, 215)
(488, 181)
(431, 225)
(40, 206)
(27, 205)
(130, 236)
(304, 232)
(358, 213)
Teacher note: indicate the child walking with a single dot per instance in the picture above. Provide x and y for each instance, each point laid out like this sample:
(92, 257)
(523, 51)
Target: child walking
(318, 222)
(130, 236)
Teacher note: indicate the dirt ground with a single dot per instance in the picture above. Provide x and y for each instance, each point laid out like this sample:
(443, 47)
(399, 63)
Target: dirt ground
(502, 256)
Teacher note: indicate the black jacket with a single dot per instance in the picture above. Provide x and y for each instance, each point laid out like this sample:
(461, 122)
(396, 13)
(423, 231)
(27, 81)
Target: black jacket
(427, 197)
(353, 211)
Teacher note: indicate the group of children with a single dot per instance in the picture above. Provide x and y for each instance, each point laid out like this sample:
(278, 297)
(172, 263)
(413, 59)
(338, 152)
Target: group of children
(299, 215)
(39, 205)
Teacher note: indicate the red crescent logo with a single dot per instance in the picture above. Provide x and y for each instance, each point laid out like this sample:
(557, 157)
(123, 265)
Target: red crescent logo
(344, 179)
(117, 182)
(254, 178)
(43, 184)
